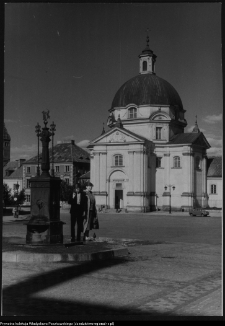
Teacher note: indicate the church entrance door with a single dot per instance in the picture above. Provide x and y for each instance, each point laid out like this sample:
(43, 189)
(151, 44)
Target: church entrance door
(118, 198)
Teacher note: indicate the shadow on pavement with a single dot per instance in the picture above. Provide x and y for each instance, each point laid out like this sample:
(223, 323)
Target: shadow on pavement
(18, 299)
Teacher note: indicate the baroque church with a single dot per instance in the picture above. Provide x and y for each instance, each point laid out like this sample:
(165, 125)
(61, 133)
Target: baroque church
(146, 161)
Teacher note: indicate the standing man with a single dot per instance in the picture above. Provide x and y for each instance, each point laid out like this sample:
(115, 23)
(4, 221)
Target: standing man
(78, 209)
(91, 212)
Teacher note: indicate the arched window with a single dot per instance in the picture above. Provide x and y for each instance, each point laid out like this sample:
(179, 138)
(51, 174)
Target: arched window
(144, 65)
(118, 160)
(132, 113)
(198, 163)
(176, 162)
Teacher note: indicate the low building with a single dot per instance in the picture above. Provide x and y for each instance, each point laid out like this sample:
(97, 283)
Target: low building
(69, 161)
(214, 182)
(13, 175)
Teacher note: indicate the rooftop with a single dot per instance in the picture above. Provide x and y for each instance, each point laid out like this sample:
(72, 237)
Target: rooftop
(214, 166)
(18, 173)
(85, 176)
(65, 152)
(147, 89)
(190, 138)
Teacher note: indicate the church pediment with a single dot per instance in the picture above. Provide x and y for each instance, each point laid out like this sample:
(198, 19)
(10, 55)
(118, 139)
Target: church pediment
(118, 135)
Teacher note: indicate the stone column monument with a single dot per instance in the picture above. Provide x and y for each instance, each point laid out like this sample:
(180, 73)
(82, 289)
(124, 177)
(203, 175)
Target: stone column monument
(45, 226)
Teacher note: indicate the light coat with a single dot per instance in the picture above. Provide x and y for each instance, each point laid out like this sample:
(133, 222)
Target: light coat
(87, 218)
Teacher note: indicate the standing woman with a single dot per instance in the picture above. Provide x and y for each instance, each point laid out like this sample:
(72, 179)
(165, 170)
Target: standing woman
(90, 221)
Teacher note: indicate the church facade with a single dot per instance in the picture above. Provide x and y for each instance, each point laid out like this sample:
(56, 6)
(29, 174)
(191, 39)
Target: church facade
(146, 161)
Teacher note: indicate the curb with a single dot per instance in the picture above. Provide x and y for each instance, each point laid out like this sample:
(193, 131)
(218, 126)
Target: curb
(20, 256)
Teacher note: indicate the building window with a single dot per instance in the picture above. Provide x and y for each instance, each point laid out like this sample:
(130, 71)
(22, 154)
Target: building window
(213, 189)
(118, 160)
(176, 162)
(158, 162)
(28, 198)
(56, 168)
(144, 65)
(67, 180)
(28, 169)
(132, 113)
(28, 183)
(158, 133)
(6, 144)
(67, 168)
(198, 163)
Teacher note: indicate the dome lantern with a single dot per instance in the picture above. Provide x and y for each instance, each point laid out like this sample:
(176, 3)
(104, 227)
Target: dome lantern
(147, 59)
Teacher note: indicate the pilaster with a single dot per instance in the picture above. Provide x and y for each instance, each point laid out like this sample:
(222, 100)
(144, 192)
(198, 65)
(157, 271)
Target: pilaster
(204, 183)
(102, 174)
(131, 171)
(166, 168)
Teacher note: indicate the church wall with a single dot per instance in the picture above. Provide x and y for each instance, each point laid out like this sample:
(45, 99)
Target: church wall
(215, 199)
(144, 111)
(131, 177)
(142, 129)
(170, 175)
(198, 188)
(188, 178)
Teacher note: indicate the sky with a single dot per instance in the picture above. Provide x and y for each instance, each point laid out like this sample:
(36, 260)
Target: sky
(72, 58)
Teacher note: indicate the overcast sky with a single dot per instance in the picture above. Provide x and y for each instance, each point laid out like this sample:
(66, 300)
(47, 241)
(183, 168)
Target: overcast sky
(72, 58)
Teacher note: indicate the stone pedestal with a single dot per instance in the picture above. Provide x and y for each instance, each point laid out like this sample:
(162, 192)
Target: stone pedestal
(46, 233)
(45, 226)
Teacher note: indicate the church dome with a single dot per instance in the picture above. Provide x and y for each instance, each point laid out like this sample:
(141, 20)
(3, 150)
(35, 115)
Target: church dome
(147, 89)
(6, 135)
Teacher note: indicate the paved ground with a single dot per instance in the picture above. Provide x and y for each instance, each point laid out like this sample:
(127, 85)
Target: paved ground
(173, 270)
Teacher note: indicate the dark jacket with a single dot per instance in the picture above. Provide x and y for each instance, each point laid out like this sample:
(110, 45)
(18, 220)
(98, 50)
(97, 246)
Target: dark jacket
(76, 208)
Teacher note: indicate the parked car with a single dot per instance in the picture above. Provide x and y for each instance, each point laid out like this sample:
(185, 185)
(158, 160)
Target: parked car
(198, 212)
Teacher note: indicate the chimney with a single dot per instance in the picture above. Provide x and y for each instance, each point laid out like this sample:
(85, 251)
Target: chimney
(72, 141)
(20, 162)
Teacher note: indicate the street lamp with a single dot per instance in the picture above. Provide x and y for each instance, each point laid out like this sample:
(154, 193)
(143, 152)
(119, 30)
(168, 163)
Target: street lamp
(52, 129)
(173, 187)
(38, 132)
(16, 198)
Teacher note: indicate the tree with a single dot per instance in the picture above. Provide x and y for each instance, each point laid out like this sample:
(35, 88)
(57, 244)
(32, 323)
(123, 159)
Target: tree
(65, 191)
(21, 197)
(7, 196)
